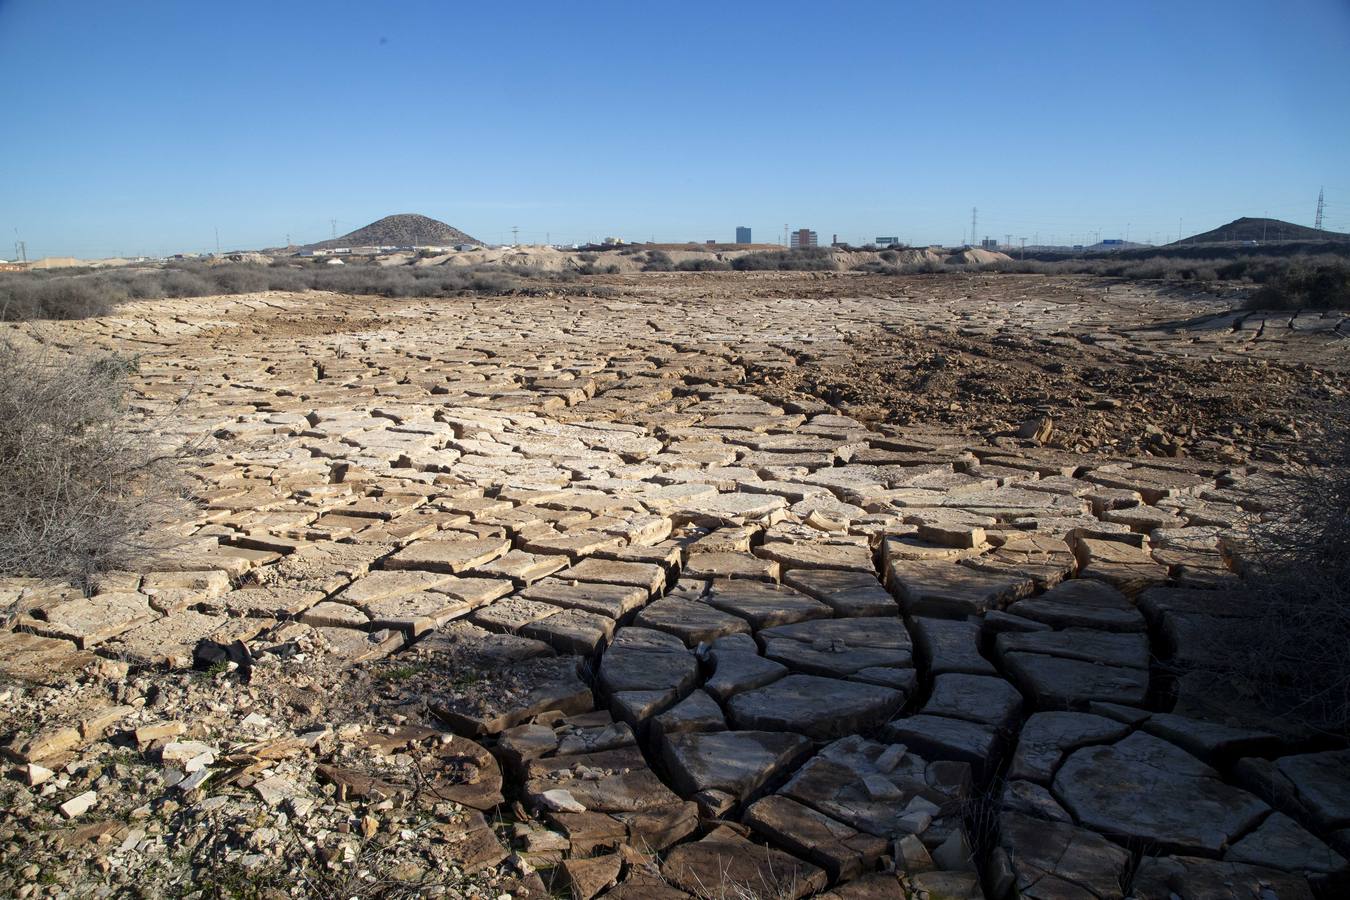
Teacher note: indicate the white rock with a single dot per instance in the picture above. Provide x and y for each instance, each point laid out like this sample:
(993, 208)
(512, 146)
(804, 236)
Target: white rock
(35, 774)
(79, 804)
(913, 823)
(890, 757)
(560, 800)
(912, 855)
(193, 781)
(954, 854)
(879, 788)
(191, 755)
(921, 805)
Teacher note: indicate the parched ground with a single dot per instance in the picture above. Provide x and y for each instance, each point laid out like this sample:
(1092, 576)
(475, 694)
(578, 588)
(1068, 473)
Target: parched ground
(724, 585)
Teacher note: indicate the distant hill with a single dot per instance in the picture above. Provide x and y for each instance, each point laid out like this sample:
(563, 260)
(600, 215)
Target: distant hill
(402, 230)
(1249, 229)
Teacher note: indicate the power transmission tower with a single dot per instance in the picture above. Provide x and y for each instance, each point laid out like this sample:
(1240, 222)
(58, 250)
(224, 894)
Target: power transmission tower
(333, 224)
(974, 218)
(1024, 247)
(1007, 240)
(1321, 203)
(21, 251)
(515, 231)
(217, 241)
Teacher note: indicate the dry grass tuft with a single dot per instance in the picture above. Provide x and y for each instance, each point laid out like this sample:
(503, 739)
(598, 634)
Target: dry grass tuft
(80, 489)
(1292, 653)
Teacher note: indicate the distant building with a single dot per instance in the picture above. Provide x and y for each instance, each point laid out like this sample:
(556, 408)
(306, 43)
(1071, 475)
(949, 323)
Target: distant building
(743, 235)
(803, 238)
(886, 241)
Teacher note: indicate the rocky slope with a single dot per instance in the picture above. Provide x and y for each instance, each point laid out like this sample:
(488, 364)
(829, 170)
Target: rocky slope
(402, 230)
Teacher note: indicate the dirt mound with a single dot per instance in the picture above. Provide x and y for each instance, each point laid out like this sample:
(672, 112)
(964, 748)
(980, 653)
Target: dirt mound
(914, 256)
(402, 230)
(544, 259)
(976, 256)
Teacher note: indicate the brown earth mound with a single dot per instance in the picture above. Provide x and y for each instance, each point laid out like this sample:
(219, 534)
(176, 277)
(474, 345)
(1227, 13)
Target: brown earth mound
(402, 230)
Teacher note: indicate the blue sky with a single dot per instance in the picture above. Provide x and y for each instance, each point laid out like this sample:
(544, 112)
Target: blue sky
(144, 127)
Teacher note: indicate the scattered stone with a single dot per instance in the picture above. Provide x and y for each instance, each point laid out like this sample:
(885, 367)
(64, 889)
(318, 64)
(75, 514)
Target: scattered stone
(937, 737)
(79, 804)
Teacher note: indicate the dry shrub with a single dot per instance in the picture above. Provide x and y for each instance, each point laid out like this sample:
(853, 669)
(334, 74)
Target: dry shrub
(1306, 285)
(80, 489)
(1292, 653)
(811, 259)
(78, 294)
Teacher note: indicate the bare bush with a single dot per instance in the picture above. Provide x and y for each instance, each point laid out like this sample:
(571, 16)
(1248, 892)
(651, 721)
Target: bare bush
(806, 259)
(703, 264)
(1291, 650)
(658, 261)
(80, 490)
(1318, 281)
(1310, 285)
(43, 295)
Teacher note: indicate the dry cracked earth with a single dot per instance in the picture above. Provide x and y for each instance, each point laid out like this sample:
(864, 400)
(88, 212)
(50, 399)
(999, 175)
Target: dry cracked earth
(652, 595)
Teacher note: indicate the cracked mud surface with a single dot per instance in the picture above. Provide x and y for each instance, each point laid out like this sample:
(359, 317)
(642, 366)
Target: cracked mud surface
(721, 587)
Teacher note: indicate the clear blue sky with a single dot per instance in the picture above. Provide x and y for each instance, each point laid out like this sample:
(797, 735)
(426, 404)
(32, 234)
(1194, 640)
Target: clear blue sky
(142, 127)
